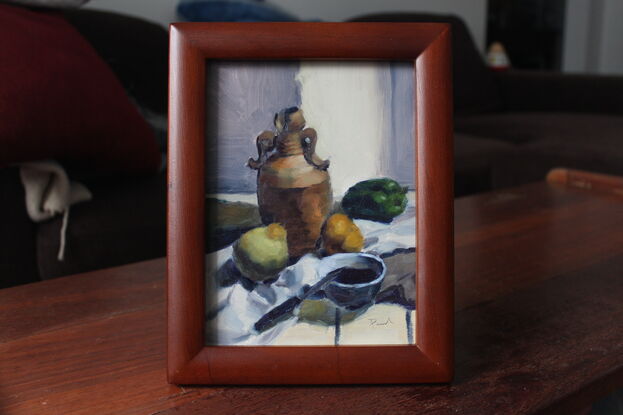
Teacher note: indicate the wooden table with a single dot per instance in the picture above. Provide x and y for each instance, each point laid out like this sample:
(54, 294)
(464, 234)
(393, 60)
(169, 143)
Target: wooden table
(539, 326)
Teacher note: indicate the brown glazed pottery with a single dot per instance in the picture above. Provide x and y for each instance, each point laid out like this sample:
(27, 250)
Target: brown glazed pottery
(293, 186)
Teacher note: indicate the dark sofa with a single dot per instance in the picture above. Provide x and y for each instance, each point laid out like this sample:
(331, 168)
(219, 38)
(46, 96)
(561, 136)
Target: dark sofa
(511, 128)
(125, 221)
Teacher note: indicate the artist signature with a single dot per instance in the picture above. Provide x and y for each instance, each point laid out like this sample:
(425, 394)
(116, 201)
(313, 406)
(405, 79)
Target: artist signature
(375, 322)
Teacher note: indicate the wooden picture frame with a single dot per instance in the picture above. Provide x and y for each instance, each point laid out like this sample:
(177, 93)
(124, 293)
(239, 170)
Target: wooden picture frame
(431, 358)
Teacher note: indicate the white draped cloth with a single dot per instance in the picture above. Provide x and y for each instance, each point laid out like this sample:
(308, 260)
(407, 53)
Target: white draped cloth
(233, 309)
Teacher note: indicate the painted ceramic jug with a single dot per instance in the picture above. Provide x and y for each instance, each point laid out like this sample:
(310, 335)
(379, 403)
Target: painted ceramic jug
(293, 187)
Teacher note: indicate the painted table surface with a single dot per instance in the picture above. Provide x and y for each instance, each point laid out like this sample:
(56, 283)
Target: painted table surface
(539, 326)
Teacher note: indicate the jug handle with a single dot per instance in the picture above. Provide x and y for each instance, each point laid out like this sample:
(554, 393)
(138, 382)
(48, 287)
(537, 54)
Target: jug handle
(265, 144)
(308, 142)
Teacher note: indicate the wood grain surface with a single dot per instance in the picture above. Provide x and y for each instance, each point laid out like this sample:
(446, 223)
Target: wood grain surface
(538, 326)
(598, 182)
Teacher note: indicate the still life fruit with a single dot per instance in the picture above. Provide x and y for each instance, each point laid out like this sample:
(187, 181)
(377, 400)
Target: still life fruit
(261, 253)
(340, 234)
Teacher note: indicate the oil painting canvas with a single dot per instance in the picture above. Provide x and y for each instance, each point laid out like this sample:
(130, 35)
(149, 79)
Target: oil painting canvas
(310, 203)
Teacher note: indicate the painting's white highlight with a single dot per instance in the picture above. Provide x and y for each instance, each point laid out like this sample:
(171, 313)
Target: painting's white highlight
(234, 197)
(381, 324)
(252, 197)
(345, 104)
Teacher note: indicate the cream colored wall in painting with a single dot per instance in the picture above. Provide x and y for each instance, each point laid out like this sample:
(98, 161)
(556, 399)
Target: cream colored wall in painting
(345, 104)
(363, 113)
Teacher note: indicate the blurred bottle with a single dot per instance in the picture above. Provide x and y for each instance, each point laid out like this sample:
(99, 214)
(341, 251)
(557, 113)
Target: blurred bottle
(497, 59)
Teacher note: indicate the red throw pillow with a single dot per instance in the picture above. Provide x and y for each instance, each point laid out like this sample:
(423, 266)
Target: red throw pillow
(59, 100)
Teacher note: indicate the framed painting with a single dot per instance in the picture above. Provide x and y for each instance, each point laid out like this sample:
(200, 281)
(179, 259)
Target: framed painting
(310, 203)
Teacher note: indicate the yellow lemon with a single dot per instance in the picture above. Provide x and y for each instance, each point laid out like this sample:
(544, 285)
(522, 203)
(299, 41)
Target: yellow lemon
(353, 242)
(338, 226)
(340, 234)
(275, 231)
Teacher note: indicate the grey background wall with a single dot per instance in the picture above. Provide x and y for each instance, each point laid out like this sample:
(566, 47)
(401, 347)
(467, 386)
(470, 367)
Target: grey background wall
(593, 37)
(161, 11)
(472, 11)
(593, 32)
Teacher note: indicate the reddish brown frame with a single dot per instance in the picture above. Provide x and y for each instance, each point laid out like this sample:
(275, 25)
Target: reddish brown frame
(431, 358)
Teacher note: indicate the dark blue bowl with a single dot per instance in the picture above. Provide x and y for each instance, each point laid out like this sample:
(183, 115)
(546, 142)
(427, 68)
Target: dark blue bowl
(358, 280)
